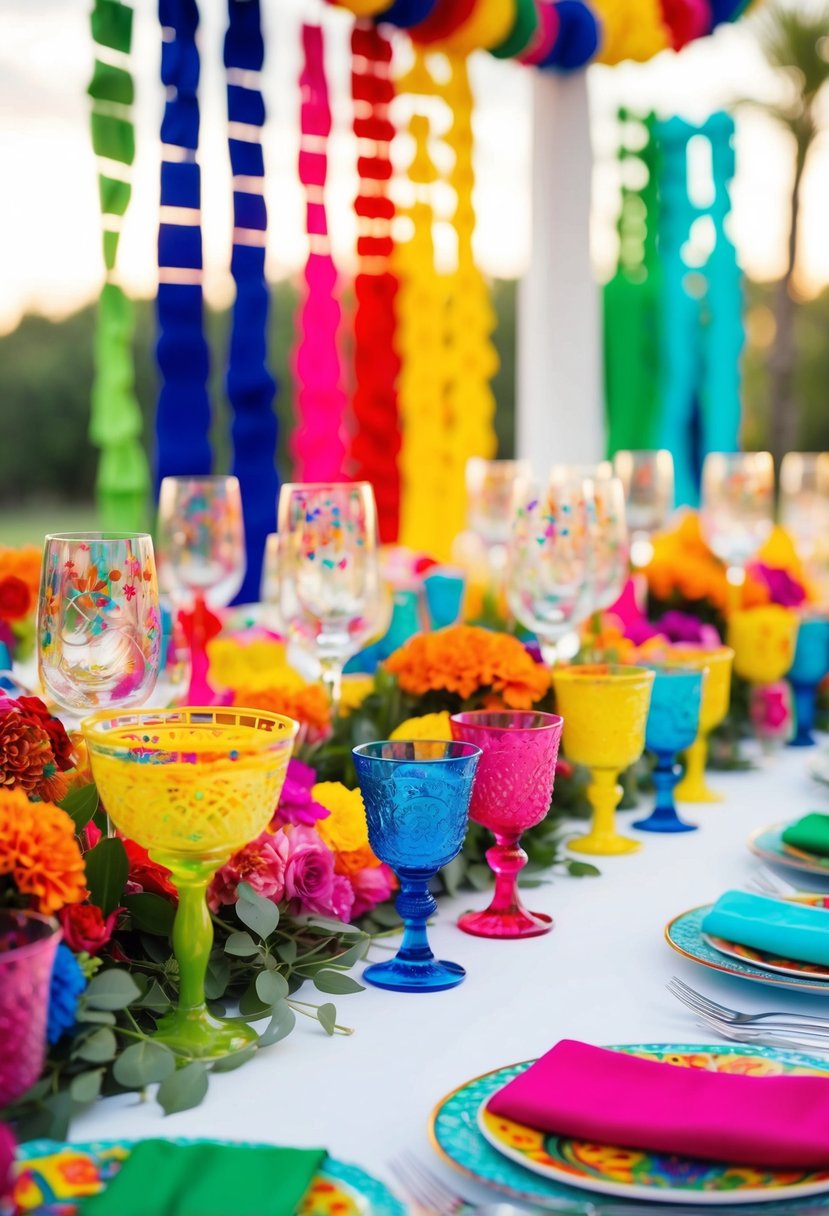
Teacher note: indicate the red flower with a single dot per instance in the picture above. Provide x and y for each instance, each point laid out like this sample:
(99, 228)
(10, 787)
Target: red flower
(129, 591)
(147, 874)
(61, 744)
(15, 598)
(85, 928)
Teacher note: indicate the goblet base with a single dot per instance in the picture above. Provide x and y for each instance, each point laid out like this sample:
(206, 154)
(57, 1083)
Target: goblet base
(696, 792)
(196, 1033)
(657, 823)
(806, 739)
(432, 975)
(603, 844)
(519, 922)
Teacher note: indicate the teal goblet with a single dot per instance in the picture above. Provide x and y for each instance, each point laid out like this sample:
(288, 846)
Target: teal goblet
(809, 666)
(673, 722)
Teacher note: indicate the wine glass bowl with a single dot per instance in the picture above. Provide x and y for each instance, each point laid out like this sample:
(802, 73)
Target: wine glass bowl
(512, 792)
(490, 485)
(99, 623)
(611, 548)
(737, 505)
(192, 786)
(647, 479)
(201, 539)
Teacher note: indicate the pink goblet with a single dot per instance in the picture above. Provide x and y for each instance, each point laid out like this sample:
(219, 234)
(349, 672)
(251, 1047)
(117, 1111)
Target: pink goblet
(27, 953)
(512, 792)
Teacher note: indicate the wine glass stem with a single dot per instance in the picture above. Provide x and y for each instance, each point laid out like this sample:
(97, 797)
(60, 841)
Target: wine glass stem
(192, 938)
(604, 793)
(665, 776)
(735, 577)
(332, 678)
(415, 904)
(506, 859)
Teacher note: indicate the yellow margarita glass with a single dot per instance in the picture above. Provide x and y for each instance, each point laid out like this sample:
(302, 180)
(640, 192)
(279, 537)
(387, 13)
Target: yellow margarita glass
(192, 786)
(716, 698)
(763, 640)
(605, 709)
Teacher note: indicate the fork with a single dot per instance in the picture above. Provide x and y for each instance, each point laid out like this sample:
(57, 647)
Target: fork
(432, 1197)
(753, 1027)
(765, 882)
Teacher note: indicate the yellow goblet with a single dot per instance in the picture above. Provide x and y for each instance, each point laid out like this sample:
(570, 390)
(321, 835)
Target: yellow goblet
(763, 640)
(716, 697)
(605, 709)
(192, 786)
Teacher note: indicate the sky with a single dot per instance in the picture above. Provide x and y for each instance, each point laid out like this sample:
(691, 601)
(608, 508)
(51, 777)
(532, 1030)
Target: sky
(50, 259)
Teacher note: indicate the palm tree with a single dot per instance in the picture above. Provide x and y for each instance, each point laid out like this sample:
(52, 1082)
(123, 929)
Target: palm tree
(795, 42)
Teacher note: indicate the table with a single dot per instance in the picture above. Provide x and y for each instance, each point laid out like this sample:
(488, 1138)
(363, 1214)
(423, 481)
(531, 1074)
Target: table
(599, 976)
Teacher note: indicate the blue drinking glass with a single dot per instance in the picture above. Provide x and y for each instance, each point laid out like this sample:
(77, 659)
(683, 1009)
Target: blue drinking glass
(810, 665)
(416, 796)
(673, 722)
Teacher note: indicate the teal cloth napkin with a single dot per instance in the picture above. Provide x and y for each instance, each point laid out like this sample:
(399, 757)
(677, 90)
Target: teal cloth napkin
(795, 931)
(160, 1178)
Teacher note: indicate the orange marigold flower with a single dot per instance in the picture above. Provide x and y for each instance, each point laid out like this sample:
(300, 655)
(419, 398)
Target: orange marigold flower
(308, 705)
(466, 659)
(40, 853)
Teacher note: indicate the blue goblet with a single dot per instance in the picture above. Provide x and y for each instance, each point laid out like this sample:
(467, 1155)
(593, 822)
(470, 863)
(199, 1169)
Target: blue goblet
(416, 796)
(673, 722)
(810, 665)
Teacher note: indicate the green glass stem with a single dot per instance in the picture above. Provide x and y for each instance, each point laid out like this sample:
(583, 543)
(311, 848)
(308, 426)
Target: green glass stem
(192, 935)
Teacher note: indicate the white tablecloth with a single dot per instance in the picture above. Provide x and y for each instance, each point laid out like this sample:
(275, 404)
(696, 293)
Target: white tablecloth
(599, 976)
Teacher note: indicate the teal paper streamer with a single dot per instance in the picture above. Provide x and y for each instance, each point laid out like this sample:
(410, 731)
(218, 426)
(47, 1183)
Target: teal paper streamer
(123, 480)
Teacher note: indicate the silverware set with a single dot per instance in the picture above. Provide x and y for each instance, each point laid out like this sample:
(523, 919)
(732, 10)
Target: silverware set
(777, 1029)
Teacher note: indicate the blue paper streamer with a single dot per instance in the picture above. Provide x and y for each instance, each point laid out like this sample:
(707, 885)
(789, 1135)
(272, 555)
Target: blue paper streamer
(251, 388)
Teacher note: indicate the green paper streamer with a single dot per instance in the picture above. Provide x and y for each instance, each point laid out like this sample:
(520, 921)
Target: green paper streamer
(115, 426)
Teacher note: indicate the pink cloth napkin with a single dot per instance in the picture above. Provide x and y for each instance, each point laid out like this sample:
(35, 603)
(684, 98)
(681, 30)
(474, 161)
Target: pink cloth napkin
(608, 1097)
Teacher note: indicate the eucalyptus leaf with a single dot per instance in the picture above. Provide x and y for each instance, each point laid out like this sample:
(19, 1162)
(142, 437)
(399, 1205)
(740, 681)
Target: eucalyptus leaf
(229, 1063)
(327, 1015)
(354, 954)
(217, 978)
(150, 913)
(336, 983)
(86, 1086)
(107, 870)
(98, 1047)
(452, 875)
(582, 869)
(80, 805)
(280, 1026)
(111, 989)
(97, 1017)
(258, 913)
(143, 1063)
(154, 998)
(479, 876)
(251, 1005)
(241, 944)
(387, 916)
(287, 951)
(183, 1089)
(271, 987)
(156, 950)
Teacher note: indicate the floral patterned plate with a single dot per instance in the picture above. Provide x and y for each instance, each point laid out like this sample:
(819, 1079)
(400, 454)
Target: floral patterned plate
(772, 962)
(684, 934)
(51, 1177)
(768, 844)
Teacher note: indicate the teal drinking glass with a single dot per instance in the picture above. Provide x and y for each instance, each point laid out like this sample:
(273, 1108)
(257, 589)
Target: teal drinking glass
(809, 666)
(673, 723)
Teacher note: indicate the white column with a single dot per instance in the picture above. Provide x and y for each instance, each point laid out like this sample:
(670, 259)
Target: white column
(560, 412)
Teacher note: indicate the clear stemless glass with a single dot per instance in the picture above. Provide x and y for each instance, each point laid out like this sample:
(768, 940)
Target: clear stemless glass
(27, 954)
(416, 796)
(673, 722)
(605, 709)
(549, 559)
(512, 792)
(201, 559)
(329, 574)
(191, 786)
(737, 506)
(99, 622)
(647, 479)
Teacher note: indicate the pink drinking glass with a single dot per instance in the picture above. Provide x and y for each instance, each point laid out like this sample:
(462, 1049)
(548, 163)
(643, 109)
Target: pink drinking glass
(27, 953)
(512, 792)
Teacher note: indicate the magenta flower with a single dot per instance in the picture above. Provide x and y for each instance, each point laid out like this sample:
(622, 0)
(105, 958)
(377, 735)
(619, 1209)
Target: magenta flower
(311, 886)
(682, 627)
(295, 802)
(634, 625)
(262, 863)
(782, 588)
(371, 886)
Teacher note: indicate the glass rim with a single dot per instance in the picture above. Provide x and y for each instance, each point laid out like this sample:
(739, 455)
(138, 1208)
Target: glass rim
(49, 922)
(94, 731)
(610, 672)
(323, 485)
(463, 716)
(213, 478)
(698, 650)
(100, 536)
(471, 750)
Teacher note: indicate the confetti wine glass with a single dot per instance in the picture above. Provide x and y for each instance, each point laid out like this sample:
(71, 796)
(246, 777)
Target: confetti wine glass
(611, 550)
(804, 510)
(99, 622)
(736, 511)
(329, 575)
(605, 709)
(28, 943)
(416, 796)
(201, 559)
(549, 559)
(512, 792)
(673, 722)
(647, 479)
(490, 485)
(191, 786)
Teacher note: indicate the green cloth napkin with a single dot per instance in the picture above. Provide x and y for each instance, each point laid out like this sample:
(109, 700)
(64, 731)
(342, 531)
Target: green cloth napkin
(811, 833)
(206, 1179)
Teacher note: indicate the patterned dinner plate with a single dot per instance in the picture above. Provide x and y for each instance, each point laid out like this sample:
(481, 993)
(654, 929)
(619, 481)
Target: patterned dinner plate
(50, 1178)
(773, 962)
(548, 1170)
(684, 934)
(768, 844)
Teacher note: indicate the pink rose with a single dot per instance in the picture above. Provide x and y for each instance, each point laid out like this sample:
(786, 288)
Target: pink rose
(310, 882)
(262, 863)
(372, 885)
(295, 802)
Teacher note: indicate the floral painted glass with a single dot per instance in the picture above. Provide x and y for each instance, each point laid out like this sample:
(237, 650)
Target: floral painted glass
(605, 709)
(737, 506)
(673, 722)
(416, 795)
(329, 575)
(512, 792)
(201, 560)
(99, 623)
(27, 953)
(549, 559)
(716, 698)
(648, 484)
(192, 786)
(809, 667)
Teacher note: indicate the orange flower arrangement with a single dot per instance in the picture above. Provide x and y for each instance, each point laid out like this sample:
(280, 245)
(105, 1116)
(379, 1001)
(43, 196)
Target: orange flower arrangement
(307, 704)
(684, 566)
(465, 659)
(39, 852)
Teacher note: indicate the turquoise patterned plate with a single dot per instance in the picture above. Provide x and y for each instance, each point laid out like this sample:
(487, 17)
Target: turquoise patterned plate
(457, 1136)
(684, 934)
(768, 844)
(51, 1177)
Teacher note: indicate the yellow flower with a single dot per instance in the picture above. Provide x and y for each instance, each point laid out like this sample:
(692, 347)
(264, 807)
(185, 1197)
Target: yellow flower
(261, 663)
(355, 689)
(345, 829)
(427, 726)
